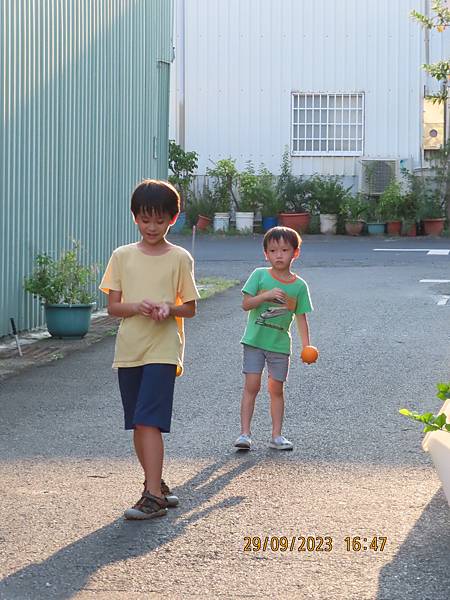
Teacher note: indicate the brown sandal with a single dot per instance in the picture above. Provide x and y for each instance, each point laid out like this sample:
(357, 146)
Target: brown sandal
(170, 497)
(148, 507)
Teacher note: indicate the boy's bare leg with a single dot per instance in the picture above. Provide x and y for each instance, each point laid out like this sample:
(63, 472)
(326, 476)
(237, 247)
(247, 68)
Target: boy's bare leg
(276, 406)
(149, 448)
(251, 388)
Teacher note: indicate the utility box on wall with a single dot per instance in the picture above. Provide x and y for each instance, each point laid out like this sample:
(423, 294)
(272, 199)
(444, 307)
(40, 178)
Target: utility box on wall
(433, 124)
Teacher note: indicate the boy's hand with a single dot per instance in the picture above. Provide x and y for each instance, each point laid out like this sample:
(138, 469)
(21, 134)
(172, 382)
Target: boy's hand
(146, 308)
(276, 295)
(161, 311)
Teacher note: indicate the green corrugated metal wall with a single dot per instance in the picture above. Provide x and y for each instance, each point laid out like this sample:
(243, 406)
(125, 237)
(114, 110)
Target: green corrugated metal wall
(85, 101)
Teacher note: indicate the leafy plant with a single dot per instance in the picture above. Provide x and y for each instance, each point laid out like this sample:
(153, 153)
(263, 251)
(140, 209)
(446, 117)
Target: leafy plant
(440, 165)
(183, 165)
(328, 193)
(270, 201)
(200, 203)
(390, 203)
(225, 178)
(431, 421)
(248, 189)
(373, 211)
(439, 22)
(63, 280)
(354, 208)
(258, 191)
(293, 192)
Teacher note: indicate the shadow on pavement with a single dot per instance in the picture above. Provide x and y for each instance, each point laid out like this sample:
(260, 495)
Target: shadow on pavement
(420, 569)
(66, 572)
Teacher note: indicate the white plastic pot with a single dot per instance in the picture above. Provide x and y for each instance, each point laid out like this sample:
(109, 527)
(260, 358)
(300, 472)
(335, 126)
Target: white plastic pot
(437, 443)
(328, 223)
(244, 221)
(221, 221)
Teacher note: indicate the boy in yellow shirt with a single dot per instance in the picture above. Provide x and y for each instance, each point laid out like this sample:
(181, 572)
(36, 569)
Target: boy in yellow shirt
(150, 285)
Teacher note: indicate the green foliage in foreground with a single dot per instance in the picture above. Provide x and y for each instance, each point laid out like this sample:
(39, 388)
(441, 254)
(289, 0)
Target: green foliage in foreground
(431, 421)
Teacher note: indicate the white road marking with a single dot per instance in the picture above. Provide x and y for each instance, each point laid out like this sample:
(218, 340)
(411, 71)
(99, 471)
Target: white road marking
(401, 249)
(443, 300)
(429, 251)
(434, 281)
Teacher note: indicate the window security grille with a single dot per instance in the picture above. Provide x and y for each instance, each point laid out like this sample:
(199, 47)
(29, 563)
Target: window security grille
(327, 124)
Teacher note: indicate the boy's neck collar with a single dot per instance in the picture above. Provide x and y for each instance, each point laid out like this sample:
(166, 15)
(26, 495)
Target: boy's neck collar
(157, 250)
(285, 277)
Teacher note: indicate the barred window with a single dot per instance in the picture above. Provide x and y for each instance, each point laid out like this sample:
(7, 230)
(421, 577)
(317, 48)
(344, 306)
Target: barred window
(331, 124)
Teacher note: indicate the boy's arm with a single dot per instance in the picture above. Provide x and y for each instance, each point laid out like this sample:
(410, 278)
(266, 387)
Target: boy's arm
(303, 329)
(275, 295)
(117, 308)
(186, 310)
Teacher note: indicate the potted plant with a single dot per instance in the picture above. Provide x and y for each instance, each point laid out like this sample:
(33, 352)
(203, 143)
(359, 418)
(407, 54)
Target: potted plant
(200, 208)
(353, 209)
(375, 223)
(248, 199)
(295, 197)
(225, 178)
(437, 438)
(65, 287)
(431, 211)
(257, 191)
(183, 165)
(328, 194)
(270, 207)
(409, 215)
(390, 206)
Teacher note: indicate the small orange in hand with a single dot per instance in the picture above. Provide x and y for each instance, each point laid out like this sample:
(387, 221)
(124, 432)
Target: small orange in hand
(309, 354)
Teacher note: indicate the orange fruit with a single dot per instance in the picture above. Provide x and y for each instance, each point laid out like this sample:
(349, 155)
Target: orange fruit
(309, 354)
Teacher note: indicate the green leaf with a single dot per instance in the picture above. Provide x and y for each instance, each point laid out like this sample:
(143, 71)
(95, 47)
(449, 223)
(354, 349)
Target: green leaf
(440, 420)
(405, 412)
(429, 428)
(426, 417)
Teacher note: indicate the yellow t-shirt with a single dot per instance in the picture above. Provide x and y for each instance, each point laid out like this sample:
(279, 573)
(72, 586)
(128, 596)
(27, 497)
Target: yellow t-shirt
(165, 278)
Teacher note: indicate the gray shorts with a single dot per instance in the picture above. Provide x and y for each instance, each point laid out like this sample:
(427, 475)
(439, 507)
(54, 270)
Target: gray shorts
(256, 358)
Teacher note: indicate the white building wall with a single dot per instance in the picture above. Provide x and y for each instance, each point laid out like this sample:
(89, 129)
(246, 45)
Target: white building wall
(243, 58)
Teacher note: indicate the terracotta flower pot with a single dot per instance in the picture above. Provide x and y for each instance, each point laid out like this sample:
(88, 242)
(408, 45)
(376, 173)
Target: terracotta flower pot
(433, 226)
(409, 229)
(203, 222)
(297, 221)
(394, 227)
(354, 227)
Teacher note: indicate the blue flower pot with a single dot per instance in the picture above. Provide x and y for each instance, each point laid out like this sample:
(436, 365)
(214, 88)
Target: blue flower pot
(68, 321)
(375, 228)
(269, 222)
(179, 223)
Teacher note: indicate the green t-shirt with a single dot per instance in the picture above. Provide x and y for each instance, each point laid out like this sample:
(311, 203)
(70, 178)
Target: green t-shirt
(268, 324)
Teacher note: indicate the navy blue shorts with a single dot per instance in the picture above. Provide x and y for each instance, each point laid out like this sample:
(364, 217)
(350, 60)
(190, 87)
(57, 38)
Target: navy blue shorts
(147, 395)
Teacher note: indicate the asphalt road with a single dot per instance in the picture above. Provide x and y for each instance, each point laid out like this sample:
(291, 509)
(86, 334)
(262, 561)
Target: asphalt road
(68, 471)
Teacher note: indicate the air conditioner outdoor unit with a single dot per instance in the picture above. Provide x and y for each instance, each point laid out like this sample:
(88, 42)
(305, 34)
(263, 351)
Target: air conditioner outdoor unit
(376, 174)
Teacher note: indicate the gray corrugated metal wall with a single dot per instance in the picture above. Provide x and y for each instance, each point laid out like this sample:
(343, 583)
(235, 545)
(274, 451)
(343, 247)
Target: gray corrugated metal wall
(85, 95)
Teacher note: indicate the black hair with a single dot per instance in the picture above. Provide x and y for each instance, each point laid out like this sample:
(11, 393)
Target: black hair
(155, 196)
(283, 233)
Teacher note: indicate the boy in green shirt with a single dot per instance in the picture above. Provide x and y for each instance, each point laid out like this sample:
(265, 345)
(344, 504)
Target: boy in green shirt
(272, 296)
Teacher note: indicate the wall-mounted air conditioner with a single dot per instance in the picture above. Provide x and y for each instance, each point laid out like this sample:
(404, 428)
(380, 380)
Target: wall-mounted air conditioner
(376, 174)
